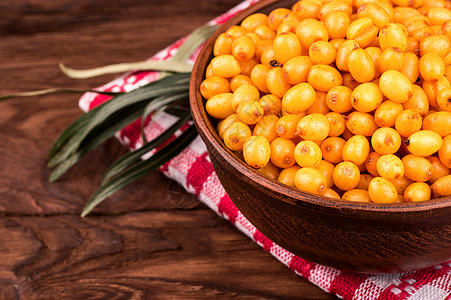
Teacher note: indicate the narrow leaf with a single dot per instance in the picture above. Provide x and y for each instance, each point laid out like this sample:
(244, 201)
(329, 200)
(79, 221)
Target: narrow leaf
(155, 65)
(141, 169)
(131, 157)
(53, 90)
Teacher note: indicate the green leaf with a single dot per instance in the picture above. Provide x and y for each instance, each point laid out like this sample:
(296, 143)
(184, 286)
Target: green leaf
(141, 169)
(53, 90)
(131, 157)
(116, 107)
(155, 65)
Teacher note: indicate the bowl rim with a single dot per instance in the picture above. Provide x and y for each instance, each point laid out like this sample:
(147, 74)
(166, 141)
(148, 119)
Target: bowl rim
(290, 195)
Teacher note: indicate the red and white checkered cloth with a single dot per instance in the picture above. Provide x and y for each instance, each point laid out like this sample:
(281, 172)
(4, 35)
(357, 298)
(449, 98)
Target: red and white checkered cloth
(193, 170)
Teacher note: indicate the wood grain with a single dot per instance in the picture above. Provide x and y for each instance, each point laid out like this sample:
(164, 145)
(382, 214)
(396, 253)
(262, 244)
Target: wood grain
(140, 243)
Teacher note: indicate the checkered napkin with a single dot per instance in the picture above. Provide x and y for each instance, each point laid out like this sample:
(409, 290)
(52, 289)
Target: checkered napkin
(193, 170)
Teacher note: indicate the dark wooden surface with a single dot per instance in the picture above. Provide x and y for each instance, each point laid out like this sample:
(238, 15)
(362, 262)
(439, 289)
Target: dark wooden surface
(141, 243)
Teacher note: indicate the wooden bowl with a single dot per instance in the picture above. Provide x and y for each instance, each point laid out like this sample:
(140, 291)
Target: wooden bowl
(362, 237)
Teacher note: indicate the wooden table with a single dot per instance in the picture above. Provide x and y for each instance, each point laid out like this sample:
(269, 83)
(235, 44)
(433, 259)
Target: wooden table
(140, 243)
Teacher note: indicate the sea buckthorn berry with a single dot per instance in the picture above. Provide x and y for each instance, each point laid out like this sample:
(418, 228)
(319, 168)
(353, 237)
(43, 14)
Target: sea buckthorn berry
(410, 67)
(266, 127)
(417, 191)
(250, 112)
(349, 81)
(288, 25)
(445, 29)
(337, 123)
(336, 43)
(390, 166)
(386, 113)
(258, 77)
(424, 142)
(214, 85)
(374, 53)
(286, 176)
(243, 48)
(364, 182)
(357, 195)
(438, 169)
(286, 46)
(314, 127)
(239, 80)
(332, 149)
(235, 136)
(256, 151)
(371, 163)
(225, 66)
(244, 93)
(322, 52)
(324, 77)
(247, 66)
(286, 126)
(319, 106)
(220, 106)
(422, 33)
(271, 104)
(277, 82)
(235, 31)
(261, 46)
(343, 51)
(366, 97)
(447, 74)
(209, 71)
(390, 59)
(304, 91)
(381, 190)
(307, 154)
(408, 122)
(224, 124)
(335, 5)
(392, 35)
(396, 86)
(444, 153)
(297, 68)
(338, 99)
(444, 99)
(431, 88)
(282, 152)
(401, 184)
(269, 171)
(438, 15)
(361, 65)
(363, 31)
(277, 16)
(331, 194)
(439, 44)
(361, 123)
(418, 102)
(442, 187)
(386, 140)
(356, 149)
(417, 168)
(413, 45)
(346, 176)
(310, 31)
(223, 44)
(375, 12)
(439, 122)
(306, 9)
(310, 180)
(336, 24)
(268, 57)
(431, 67)
(266, 32)
(252, 21)
(401, 14)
